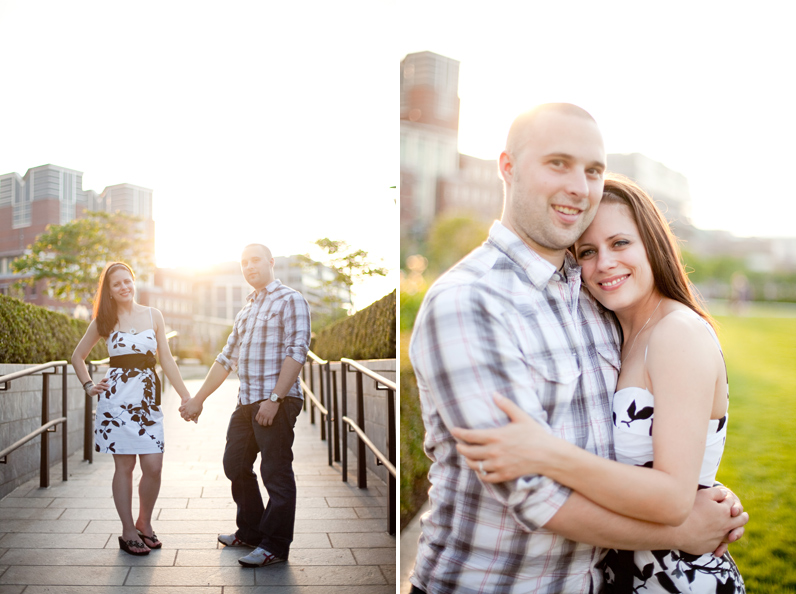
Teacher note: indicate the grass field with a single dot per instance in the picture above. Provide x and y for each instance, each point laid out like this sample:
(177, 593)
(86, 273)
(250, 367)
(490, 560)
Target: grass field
(759, 461)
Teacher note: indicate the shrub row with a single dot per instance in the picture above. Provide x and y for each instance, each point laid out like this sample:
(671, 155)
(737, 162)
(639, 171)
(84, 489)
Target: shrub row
(31, 334)
(368, 334)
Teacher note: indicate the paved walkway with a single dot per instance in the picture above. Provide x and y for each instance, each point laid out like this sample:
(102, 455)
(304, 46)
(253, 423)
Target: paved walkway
(63, 540)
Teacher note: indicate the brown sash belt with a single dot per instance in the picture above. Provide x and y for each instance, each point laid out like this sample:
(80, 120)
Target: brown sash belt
(142, 362)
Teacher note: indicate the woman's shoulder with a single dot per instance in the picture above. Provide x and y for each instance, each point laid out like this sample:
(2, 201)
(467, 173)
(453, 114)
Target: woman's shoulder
(682, 332)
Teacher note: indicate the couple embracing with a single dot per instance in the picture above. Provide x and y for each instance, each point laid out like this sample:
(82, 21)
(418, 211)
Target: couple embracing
(573, 390)
(268, 347)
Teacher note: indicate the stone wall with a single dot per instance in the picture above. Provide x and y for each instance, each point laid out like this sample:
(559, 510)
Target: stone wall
(375, 404)
(20, 414)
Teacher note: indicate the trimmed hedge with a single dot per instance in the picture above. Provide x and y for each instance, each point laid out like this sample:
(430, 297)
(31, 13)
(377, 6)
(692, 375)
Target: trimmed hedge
(30, 334)
(368, 334)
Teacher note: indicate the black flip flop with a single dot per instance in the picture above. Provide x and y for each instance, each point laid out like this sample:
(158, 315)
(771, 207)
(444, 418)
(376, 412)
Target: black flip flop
(126, 545)
(156, 544)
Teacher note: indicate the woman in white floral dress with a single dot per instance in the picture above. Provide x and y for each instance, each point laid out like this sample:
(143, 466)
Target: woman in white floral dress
(129, 420)
(669, 410)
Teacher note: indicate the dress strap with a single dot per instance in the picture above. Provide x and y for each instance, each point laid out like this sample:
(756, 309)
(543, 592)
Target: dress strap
(151, 321)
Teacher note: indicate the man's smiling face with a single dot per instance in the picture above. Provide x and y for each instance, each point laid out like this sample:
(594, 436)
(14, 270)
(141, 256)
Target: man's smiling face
(554, 177)
(257, 266)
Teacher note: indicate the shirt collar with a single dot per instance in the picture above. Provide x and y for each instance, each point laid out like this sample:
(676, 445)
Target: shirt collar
(269, 288)
(538, 270)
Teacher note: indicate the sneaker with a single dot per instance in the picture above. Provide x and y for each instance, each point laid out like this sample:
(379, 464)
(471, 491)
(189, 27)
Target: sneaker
(231, 540)
(259, 558)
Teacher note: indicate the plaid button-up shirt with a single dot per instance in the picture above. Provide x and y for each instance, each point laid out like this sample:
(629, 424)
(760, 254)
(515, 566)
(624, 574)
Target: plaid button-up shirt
(273, 324)
(505, 320)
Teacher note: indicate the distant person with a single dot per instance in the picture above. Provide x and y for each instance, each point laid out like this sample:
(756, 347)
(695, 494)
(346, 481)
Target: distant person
(511, 318)
(740, 293)
(670, 407)
(268, 347)
(129, 420)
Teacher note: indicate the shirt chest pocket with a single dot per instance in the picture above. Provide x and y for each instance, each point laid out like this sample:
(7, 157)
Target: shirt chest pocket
(269, 321)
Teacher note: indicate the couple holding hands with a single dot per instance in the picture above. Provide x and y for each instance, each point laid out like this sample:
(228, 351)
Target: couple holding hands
(267, 348)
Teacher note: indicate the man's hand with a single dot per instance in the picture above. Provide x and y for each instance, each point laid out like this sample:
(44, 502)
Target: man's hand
(265, 416)
(191, 410)
(711, 522)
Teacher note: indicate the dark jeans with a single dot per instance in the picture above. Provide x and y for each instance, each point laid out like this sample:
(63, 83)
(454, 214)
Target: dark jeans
(269, 527)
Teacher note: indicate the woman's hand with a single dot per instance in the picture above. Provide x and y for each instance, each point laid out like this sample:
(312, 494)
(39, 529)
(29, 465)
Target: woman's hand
(100, 388)
(509, 452)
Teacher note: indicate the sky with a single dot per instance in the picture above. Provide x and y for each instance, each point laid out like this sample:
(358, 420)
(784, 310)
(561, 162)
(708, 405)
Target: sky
(706, 88)
(267, 122)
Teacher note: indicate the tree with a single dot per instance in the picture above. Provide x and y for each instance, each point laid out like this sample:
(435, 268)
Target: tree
(348, 265)
(71, 256)
(453, 237)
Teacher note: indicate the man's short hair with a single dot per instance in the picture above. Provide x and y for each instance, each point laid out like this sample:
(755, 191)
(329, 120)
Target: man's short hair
(517, 133)
(260, 245)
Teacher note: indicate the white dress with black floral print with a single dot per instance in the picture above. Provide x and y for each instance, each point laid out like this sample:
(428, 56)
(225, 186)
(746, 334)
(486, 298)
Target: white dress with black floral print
(664, 571)
(128, 420)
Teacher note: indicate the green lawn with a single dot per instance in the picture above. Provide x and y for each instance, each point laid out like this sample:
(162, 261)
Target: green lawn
(759, 461)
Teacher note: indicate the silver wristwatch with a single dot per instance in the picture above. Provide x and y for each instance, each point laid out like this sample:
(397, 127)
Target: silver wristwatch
(276, 397)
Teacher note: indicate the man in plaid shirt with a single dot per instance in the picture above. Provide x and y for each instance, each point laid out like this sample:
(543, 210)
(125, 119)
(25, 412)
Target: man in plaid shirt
(511, 318)
(268, 347)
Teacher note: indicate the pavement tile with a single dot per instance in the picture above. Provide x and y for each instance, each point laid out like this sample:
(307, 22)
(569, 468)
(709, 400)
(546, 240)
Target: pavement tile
(107, 503)
(101, 513)
(122, 590)
(30, 513)
(190, 576)
(27, 540)
(228, 503)
(88, 557)
(228, 557)
(389, 572)
(353, 540)
(6, 589)
(374, 556)
(175, 527)
(286, 574)
(17, 502)
(356, 501)
(372, 513)
(176, 541)
(339, 525)
(66, 576)
(371, 589)
(44, 526)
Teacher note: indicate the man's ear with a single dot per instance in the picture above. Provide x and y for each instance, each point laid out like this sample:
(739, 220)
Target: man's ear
(506, 167)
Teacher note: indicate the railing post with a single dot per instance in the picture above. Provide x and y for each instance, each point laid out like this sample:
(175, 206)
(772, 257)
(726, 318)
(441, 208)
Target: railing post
(328, 405)
(312, 389)
(88, 422)
(345, 429)
(362, 477)
(323, 402)
(44, 471)
(335, 418)
(65, 434)
(391, 454)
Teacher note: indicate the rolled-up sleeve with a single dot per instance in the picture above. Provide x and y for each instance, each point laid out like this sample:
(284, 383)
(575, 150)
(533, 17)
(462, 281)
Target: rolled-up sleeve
(463, 351)
(297, 328)
(228, 357)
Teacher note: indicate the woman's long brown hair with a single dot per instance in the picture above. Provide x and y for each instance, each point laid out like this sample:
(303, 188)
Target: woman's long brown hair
(104, 307)
(660, 243)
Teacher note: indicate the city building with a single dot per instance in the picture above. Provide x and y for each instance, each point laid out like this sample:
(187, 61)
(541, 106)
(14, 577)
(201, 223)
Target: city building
(54, 195)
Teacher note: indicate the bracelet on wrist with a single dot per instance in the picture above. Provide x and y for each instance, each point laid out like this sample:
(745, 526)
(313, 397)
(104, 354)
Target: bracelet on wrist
(87, 386)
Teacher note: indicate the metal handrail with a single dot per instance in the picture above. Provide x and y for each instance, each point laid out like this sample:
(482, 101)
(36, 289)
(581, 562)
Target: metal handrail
(337, 424)
(47, 425)
(371, 374)
(385, 462)
(308, 392)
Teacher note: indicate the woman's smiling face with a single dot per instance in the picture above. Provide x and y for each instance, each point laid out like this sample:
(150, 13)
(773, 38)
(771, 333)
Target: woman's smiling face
(616, 269)
(121, 285)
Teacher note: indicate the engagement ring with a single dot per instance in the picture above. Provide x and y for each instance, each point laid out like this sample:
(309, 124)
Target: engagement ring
(481, 468)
